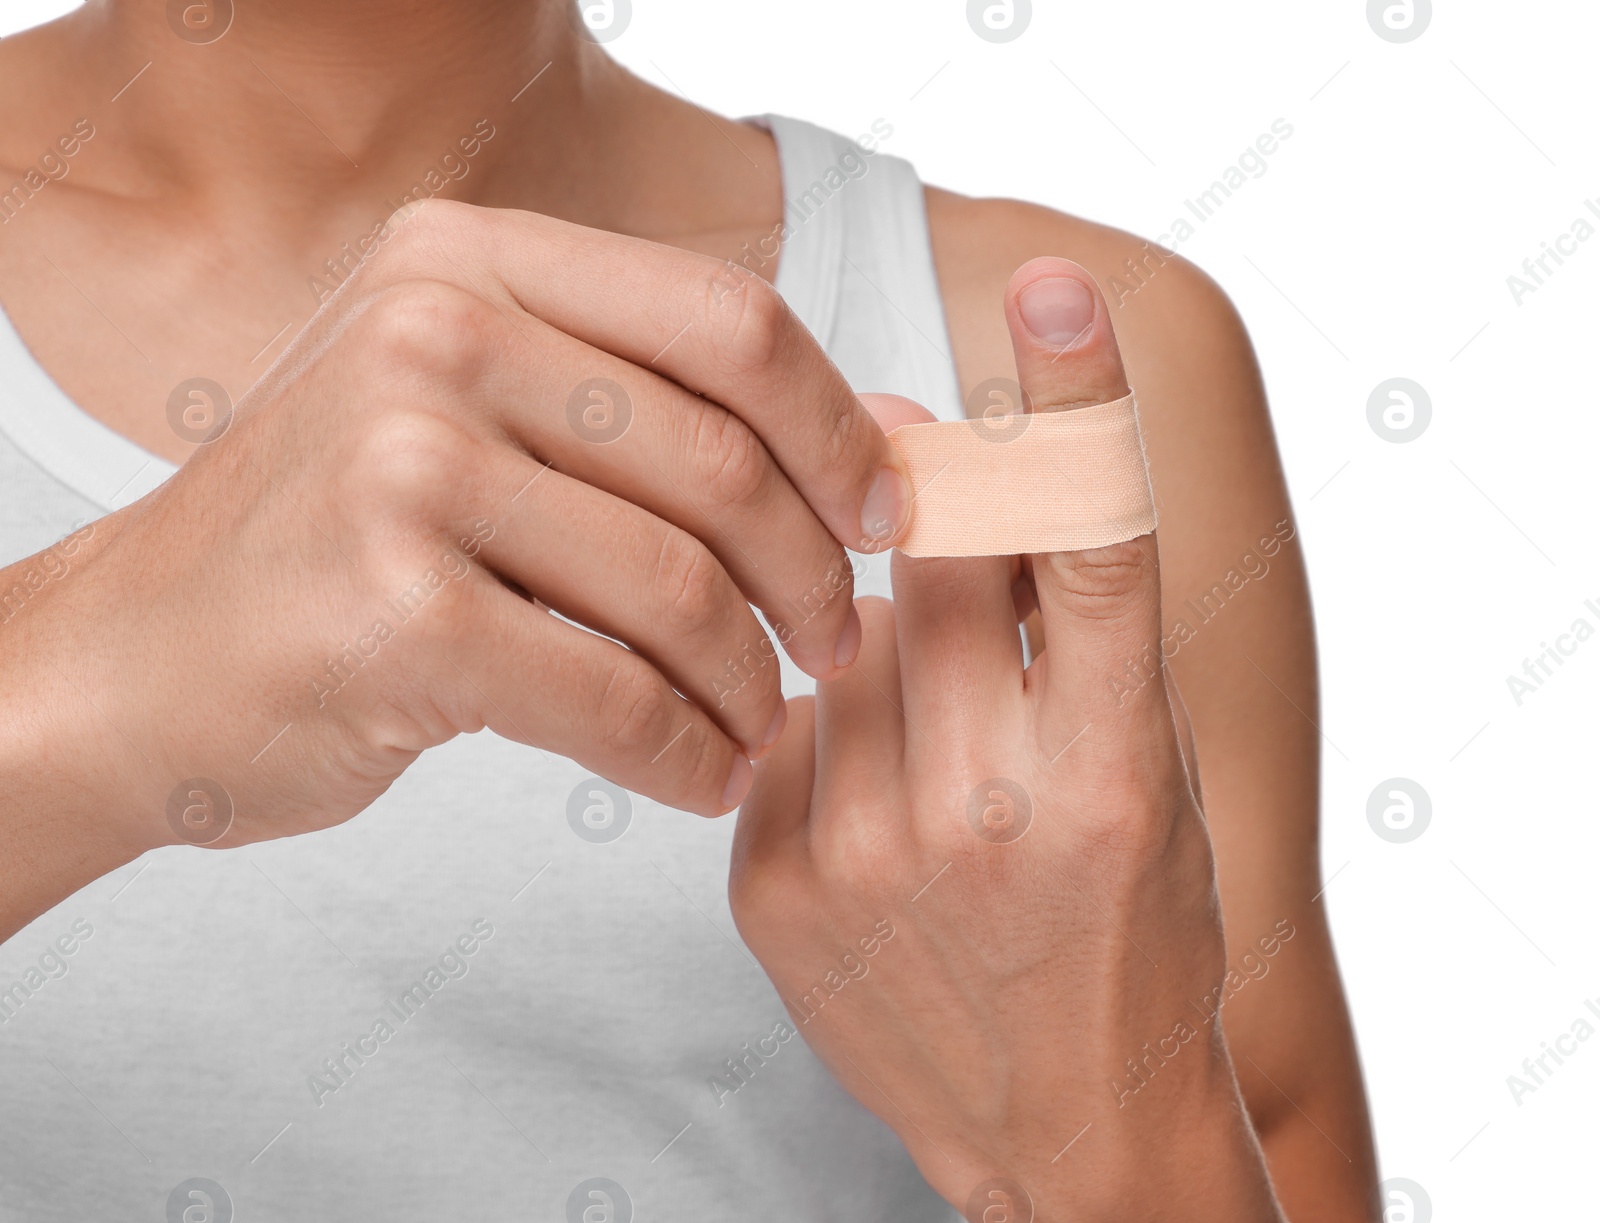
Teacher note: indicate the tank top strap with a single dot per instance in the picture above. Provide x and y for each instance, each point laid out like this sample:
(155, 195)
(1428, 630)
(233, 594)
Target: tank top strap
(857, 263)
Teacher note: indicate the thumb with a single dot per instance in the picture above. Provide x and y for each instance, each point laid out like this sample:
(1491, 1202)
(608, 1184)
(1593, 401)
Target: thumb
(1101, 608)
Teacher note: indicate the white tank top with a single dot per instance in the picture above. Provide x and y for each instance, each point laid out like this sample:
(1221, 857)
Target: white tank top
(505, 979)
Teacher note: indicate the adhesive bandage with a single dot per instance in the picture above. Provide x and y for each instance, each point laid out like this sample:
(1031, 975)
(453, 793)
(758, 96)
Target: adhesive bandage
(1039, 482)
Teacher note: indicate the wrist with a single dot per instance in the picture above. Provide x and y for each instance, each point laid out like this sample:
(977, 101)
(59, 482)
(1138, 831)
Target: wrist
(61, 825)
(1188, 1150)
(1198, 1151)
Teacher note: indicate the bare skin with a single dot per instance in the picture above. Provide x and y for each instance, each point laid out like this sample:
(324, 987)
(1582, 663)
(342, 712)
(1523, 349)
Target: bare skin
(181, 246)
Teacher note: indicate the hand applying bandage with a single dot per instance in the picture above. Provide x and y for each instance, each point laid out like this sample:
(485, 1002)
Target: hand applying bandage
(984, 892)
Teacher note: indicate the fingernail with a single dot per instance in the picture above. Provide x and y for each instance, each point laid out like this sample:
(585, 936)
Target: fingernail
(779, 720)
(849, 645)
(888, 504)
(738, 783)
(1057, 310)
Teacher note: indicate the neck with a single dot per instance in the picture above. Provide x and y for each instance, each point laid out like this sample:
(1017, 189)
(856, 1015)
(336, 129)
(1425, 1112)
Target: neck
(346, 101)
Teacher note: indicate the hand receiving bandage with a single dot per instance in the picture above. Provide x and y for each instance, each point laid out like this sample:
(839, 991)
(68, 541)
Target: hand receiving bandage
(1032, 845)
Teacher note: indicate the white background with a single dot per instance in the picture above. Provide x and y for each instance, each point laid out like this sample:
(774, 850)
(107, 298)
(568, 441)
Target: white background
(1376, 245)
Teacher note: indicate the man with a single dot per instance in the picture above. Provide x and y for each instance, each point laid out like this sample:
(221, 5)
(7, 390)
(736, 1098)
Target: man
(501, 402)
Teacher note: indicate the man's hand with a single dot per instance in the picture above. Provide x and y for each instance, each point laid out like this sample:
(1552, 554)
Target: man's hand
(501, 415)
(986, 893)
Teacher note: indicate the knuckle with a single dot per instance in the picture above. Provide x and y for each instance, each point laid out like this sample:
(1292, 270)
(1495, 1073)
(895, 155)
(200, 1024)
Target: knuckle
(752, 325)
(722, 285)
(735, 462)
(426, 582)
(705, 764)
(1102, 583)
(635, 707)
(429, 330)
(860, 855)
(408, 457)
(1132, 801)
(850, 436)
(690, 582)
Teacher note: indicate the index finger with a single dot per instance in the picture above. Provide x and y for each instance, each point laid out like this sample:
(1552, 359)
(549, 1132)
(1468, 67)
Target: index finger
(721, 331)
